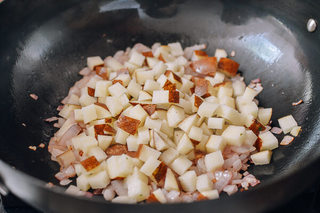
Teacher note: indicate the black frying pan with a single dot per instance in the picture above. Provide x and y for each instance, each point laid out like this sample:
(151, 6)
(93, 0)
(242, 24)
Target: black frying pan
(44, 44)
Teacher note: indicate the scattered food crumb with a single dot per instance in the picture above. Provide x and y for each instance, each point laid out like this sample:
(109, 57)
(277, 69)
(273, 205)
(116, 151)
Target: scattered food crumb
(109, 40)
(297, 103)
(276, 130)
(56, 125)
(282, 93)
(51, 119)
(23, 124)
(104, 35)
(34, 96)
(255, 81)
(42, 145)
(233, 53)
(286, 140)
(34, 148)
(49, 184)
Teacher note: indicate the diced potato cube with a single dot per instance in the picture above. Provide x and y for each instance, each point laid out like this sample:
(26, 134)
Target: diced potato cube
(188, 181)
(204, 183)
(269, 141)
(119, 166)
(143, 135)
(176, 49)
(238, 87)
(216, 123)
(113, 64)
(160, 97)
(207, 109)
(195, 133)
(181, 165)
(83, 142)
(250, 138)
(261, 158)
(215, 143)
(132, 143)
(287, 123)
(264, 115)
(134, 88)
(102, 112)
(94, 61)
(169, 155)
(116, 90)
(136, 58)
(212, 194)
(150, 86)
(101, 89)
(185, 145)
(175, 115)
(121, 136)
(170, 182)
(78, 116)
(99, 180)
(83, 183)
(147, 152)
(124, 199)
(234, 135)
(144, 96)
(149, 166)
(213, 161)
(160, 144)
(159, 196)
(104, 141)
(188, 122)
(114, 105)
(153, 124)
(98, 153)
(295, 131)
(220, 53)
(143, 76)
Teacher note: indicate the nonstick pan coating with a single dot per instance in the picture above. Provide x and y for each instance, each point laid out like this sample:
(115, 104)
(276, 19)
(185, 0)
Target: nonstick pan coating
(45, 43)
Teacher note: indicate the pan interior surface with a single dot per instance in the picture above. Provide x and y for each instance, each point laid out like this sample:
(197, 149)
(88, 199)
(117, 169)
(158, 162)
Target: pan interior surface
(44, 54)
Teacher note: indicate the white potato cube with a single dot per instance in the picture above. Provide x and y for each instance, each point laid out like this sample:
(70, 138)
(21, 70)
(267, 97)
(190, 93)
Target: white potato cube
(147, 152)
(160, 97)
(230, 114)
(104, 141)
(287, 123)
(212, 99)
(204, 183)
(181, 164)
(143, 135)
(216, 123)
(168, 156)
(132, 143)
(136, 58)
(225, 91)
(188, 181)
(137, 186)
(101, 89)
(153, 124)
(124, 100)
(68, 110)
(234, 135)
(158, 194)
(261, 158)
(269, 141)
(144, 96)
(98, 153)
(202, 145)
(251, 138)
(166, 129)
(176, 49)
(86, 100)
(238, 87)
(116, 90)
(195, 133)
(78, 116)
(160, 144)
(226, 100)
(185, 145)
(114, 105)
(149, 166)
(138, 113)
(159, 69)
(102, 112)
(94, 61)
(264, 115)
(83, 142)
(119, 166)
(170, 182)
(213, 161)
(175, 115)
(188, 122)
(125, 78)
(207, 109)
(212, 194)
(150, 86)
(220, 53)
(113, 64)
(134, 88)
(215, 143)
(249, 94)
(99, 180)
(152, 62)
(124, 199)
(83, 183)
(295, 131)
(121, 136)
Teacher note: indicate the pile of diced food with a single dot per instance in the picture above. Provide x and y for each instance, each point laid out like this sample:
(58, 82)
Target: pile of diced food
(163, 124)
